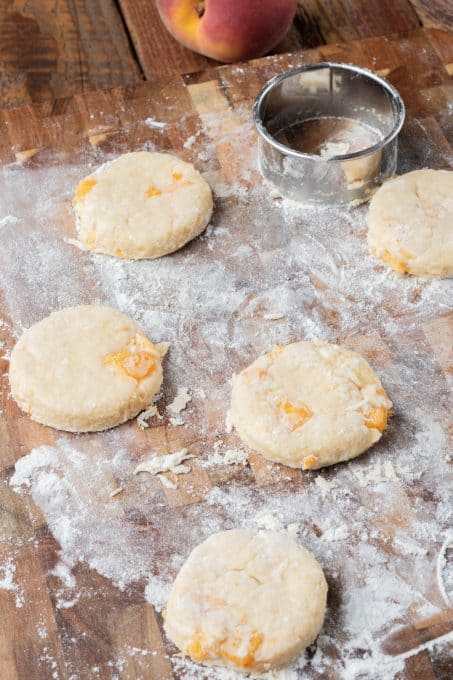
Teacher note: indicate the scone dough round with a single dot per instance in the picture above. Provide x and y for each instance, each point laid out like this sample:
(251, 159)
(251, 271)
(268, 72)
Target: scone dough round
(84, 369)
(141, 205)
(247, 600)
(410, 223)
(309, 404)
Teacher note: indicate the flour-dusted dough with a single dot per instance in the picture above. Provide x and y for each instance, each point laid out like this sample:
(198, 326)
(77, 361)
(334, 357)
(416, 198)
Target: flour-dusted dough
(411, 223)
(247, 600)
(309, 404)
(84, 369)
(142, 205)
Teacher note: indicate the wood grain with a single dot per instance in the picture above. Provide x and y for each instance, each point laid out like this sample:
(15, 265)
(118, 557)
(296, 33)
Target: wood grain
(54, 48)
(51, 49)
(106, 620)
(158, 52)
(327, 21)
(435, 13)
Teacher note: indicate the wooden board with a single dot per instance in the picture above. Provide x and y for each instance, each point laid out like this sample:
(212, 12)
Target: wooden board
(75, 562)
(52, 49)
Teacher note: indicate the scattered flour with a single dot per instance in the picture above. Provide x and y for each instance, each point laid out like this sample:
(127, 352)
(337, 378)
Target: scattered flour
(178, 404)
(208, 300)
(409, 548)
(172, 462)
(324, 484)
(64, 573)
(144, 416)
(157, 591)
(377, 474)
(153, 123)
(330, 533)
(446, 590)
(8, 220)
(331, 149)
(274, 316)
(224, 456)
(167, 482)
(7, 572)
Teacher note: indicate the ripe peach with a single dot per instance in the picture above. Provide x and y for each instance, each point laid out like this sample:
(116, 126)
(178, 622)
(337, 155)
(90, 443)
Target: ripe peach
(228, 30)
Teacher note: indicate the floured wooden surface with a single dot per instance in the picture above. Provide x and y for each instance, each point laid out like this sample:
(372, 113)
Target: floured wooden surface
(85, 544)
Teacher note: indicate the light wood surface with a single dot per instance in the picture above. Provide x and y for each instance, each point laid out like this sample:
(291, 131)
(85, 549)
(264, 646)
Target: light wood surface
(50, 50)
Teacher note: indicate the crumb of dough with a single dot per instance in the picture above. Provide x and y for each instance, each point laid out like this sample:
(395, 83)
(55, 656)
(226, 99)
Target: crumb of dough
(144, 416)
(167, 482)
(180, 402)
(274, 316)
(172, 462)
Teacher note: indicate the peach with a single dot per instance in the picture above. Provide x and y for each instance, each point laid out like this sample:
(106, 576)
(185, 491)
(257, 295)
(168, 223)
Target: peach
(228, 30)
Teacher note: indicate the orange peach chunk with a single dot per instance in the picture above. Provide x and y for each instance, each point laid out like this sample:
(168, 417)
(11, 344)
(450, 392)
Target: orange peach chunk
(398, 265)
(196, 650)
(137, 360)
(297, 415)
(254, 372)
(243, 661)
(377, 418)
(309, 462)
(83, 188)
(153, 191)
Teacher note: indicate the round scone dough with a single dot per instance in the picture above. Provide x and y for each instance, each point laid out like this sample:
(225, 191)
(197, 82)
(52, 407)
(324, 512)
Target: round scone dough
(247, 600)
(84, 369)
(410, 223)
(141, 205)
(309, 404)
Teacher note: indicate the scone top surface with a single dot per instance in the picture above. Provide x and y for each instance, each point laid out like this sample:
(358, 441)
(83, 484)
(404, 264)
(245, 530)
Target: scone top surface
(84, 368)
(142, 205)
(309, 404)
(248, 600)
(411, 223)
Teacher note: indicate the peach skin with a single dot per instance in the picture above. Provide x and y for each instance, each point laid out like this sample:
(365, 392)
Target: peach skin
(228, 30)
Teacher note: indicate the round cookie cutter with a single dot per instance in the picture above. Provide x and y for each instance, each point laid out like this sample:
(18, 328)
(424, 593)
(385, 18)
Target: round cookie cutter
(299, 113)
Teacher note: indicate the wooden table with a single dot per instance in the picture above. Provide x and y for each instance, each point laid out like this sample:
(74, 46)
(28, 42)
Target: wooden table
(52, 49)
(80, 620)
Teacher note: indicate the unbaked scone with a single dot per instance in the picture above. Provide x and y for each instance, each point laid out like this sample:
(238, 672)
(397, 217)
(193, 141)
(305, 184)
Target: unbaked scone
(309, 404)
(84, 369)
(247, 600)
(410, 223)
(141, 205)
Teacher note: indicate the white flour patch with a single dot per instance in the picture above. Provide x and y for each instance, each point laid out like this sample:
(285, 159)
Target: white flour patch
(153, 123)
(7, 582)
(8, 220)
(223, 455)
(157, 591)
(445, 569)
